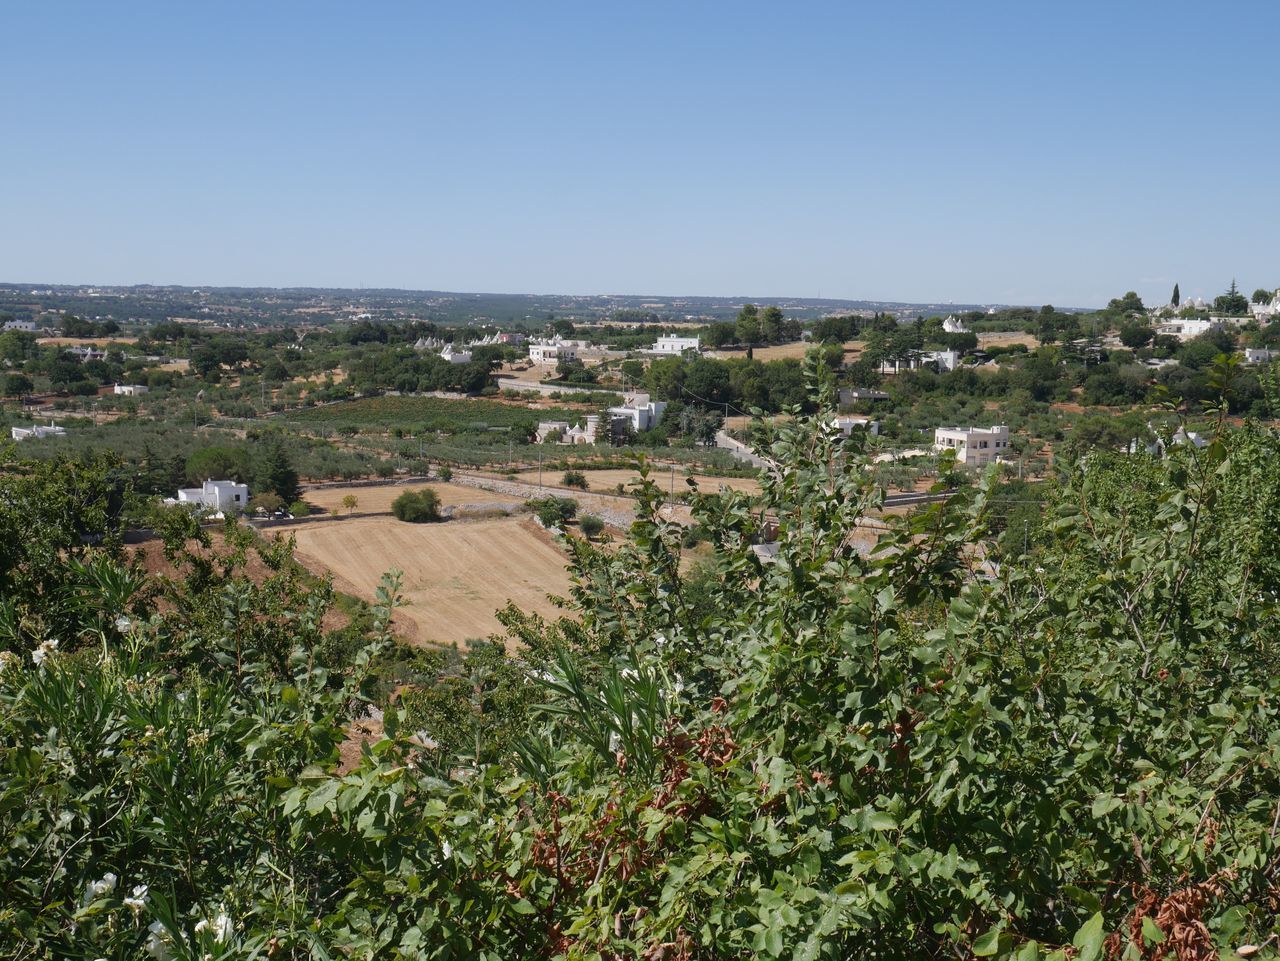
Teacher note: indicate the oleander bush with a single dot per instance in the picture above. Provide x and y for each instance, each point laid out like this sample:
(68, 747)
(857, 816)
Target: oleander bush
(920, 747)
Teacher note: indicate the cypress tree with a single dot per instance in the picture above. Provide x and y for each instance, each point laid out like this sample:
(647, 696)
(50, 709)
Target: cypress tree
(274, 474)
(1177, 297)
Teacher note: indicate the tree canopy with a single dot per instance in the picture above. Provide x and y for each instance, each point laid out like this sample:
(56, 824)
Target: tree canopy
(947, 743)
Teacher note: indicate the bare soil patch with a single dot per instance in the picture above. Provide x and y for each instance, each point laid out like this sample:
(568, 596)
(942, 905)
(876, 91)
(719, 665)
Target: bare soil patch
(606, 481)
(455, 575)
(377, 500)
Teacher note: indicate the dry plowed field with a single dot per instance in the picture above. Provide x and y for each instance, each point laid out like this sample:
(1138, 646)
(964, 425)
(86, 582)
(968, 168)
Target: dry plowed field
(456, 574)
(377, 500)
(606, 481)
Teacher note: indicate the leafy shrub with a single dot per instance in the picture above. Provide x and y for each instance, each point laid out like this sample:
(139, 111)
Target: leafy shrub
(417, 507)
(300, 508)
(935, 749)
(591, 525)
(574, 478)
(445, 473)
(553, 511)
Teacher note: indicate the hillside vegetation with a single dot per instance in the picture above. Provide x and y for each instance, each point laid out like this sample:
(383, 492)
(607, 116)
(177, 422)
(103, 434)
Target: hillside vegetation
(933, 750)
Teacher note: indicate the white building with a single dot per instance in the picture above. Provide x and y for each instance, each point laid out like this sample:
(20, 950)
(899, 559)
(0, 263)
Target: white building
(131, 390)
(1260, 355)
(953, 325)
(572, 434)
(552, 351)
(847, 424)
(669, 344)
(1267, 312)
(852, 395)
(975, 446)
(86, 354)
(943, 360)
(1157, 447)
(27, 325)
(37, 431)
(455, 355)
(1190, 327)
(640, 410)
(219, 496)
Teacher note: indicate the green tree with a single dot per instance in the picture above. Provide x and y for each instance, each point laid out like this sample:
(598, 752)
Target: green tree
(771, 324)
(219, 463)
(747, 324)
(273, 471)
(267, 503)
(591, 526)
(417, 507)
(1134, 335)
(1262, 296)
(1129, 304)
(1232, 302)
(1176, 299)
(18, 385)
(553, 512)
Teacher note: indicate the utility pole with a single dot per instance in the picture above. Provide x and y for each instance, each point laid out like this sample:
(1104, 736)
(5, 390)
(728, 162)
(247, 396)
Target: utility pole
(539, 471)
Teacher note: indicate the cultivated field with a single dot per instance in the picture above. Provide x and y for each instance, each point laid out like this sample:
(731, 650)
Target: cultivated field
(793, 351)
(85, 341)
(1002, 338)
(377, 500)
(607, 480)
(455, 574)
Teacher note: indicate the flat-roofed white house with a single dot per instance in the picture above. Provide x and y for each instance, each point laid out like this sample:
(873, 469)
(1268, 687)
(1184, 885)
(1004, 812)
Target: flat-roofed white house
(552, 351)
(37, 431)
(455, 355)
(1189, 327)
(219, 496)
(1260, 355)
(640, 410)
(943, 360)
(669, 344)
(848, 423)
(973, 445)
(131, 390)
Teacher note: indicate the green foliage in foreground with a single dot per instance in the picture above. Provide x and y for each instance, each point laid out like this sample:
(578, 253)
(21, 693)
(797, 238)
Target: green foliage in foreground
(928, 750)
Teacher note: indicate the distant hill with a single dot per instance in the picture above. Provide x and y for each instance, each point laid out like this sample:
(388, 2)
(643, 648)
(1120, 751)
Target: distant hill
(251, 306)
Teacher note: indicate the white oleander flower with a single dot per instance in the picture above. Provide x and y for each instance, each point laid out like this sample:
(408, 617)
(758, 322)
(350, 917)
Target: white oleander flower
(159, 942)
(137, 900)
(123, 624)
(41, 653)
(219, 927)
(97, 889)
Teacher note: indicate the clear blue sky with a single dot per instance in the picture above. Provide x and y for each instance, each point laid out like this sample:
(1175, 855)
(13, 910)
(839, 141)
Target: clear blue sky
(1017, 152)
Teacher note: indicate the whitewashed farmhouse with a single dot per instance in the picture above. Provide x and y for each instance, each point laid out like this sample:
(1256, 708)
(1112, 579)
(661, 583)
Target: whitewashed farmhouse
(974, 446)
(675, 345)
(219, 496)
